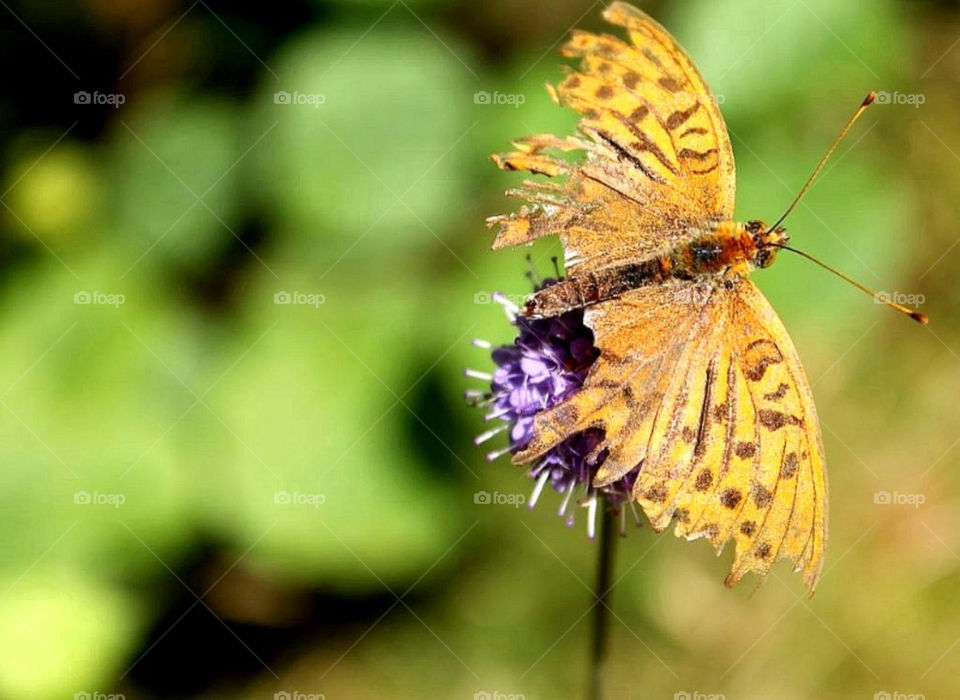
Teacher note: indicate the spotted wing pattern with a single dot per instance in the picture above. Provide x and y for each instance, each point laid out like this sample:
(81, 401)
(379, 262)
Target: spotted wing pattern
(658, 162)
(699, 383)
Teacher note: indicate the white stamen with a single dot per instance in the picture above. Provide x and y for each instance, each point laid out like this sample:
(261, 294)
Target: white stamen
(496, 414)
(479, 343)
(485, 376)
(497, 454)
(483, 437)
(541, 482)
(509, 307)
(566, 500)
(473, 394)
(592, 516)
(636, 515)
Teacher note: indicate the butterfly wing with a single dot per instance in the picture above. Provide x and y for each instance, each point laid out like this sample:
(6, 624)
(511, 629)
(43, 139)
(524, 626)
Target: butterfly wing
(699, 383)
(657, 163)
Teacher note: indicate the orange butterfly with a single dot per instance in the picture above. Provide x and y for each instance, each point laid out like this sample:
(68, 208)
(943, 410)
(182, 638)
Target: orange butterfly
(697, 380)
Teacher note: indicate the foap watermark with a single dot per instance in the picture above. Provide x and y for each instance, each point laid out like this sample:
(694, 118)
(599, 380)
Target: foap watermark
(299, 299)
(482, 97)
(900, 98)
(488, 298)
(485, 498)
(690, 295)
(297, 695)
(85, 498)
(97, 695)
(902, 298)
(885, 498)
(96, 298)
(285, 498)
(697, 695)
(314, 99)
(897, 695)
(497, 695)
(688, 99)
(113, 99)
(698, 499)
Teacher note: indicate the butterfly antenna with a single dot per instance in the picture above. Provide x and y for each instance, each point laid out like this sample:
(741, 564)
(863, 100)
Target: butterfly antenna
(877, 297)
(867, 101)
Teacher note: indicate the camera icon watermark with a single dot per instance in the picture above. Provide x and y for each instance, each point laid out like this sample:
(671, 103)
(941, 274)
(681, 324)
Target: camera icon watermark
(285, 498)
(902, 298)
(485, 297)
(299, 299)
(315, 99)
(482, 97)
(84, 298)
(485, 498)
(112, 99)
(886, 498)
(85, 498)
(900, 98)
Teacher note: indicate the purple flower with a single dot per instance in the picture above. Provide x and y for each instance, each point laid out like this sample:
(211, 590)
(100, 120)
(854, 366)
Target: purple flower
(547, 364)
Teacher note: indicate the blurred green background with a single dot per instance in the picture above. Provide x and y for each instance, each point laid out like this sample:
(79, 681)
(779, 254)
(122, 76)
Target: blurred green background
(208, 492)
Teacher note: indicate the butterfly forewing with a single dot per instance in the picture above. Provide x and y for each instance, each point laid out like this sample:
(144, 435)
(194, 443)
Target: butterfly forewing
(657, 152)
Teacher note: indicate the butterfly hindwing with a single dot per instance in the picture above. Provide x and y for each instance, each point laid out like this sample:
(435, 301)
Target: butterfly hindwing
(701, 387)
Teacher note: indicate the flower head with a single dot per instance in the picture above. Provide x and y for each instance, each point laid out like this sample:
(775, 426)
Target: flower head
(547, 364)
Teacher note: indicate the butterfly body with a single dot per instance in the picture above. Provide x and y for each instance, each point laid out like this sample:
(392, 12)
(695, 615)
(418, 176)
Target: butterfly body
(728, 248)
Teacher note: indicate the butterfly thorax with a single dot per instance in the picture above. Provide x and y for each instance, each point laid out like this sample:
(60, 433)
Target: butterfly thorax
(728, 247)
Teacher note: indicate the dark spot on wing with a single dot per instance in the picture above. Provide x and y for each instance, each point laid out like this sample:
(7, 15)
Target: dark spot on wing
(763, 550)
(668, 83)
(759, 355)
(789, 466)
(731, 498)
(745, 450)
(778, 394)
(720, 412)
(681, 116)
(604, 92)
(630, 79)
(652, 57)
(774, 420)
(761, 496)
(748, 528)
(704, 479)
(657, 493)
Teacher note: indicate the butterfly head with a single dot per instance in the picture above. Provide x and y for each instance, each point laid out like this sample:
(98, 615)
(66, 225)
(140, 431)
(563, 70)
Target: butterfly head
(766, 242)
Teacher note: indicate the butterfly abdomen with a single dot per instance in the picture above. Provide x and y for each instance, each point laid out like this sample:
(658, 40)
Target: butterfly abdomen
(714, 251)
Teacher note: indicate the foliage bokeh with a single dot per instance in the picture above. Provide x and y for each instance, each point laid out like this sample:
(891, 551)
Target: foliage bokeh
(202, 401)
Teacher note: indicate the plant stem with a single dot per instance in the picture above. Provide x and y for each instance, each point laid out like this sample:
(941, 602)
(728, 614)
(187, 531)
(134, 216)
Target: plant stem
(601, 613)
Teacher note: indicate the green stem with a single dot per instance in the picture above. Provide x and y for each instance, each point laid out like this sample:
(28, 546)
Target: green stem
(601, 613)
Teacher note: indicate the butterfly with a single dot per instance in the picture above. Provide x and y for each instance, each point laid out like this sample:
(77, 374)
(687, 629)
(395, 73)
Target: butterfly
(697, 380)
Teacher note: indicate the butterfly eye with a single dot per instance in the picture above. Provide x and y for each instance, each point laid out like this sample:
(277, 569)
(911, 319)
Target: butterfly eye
(765, 256)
